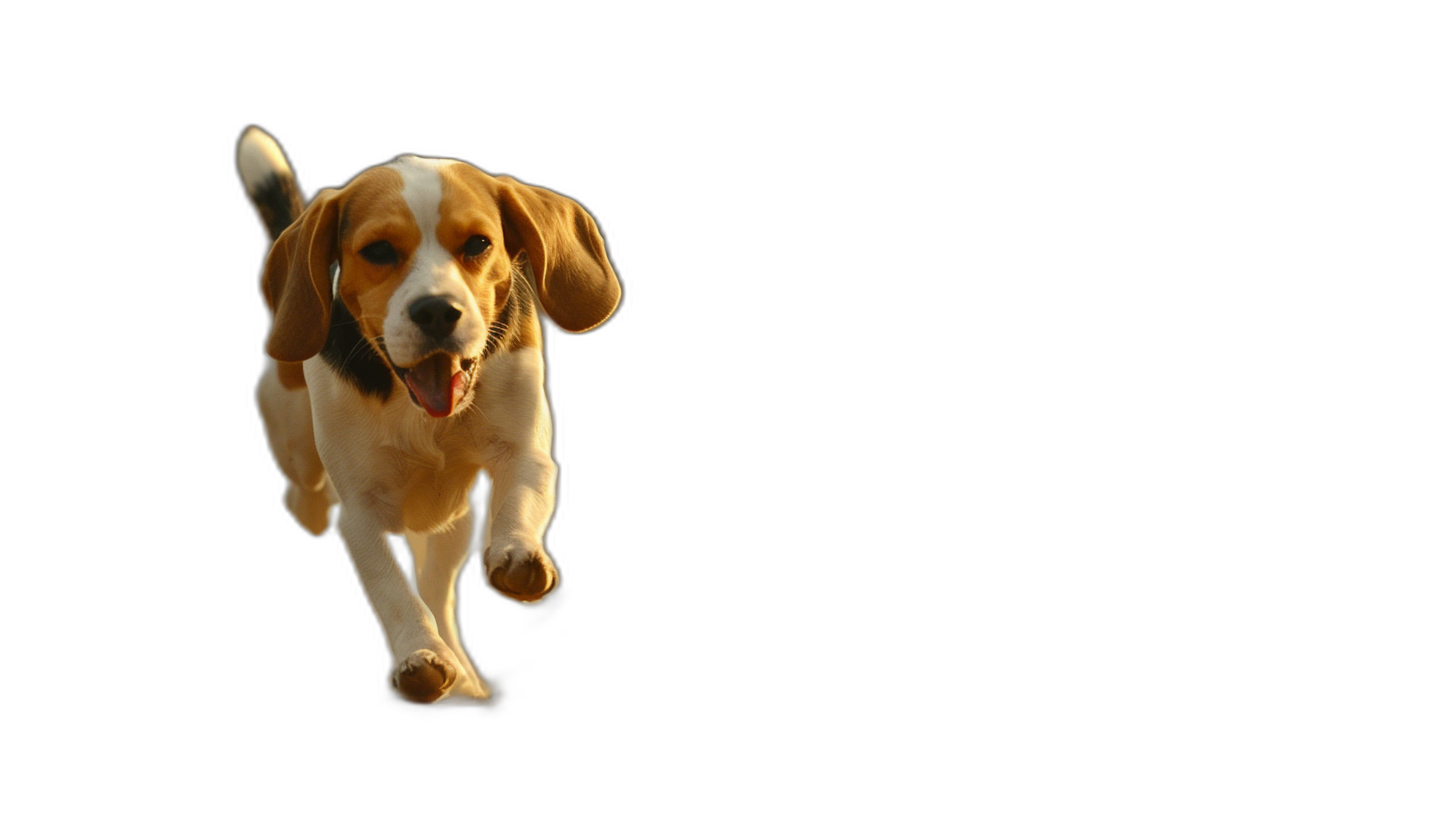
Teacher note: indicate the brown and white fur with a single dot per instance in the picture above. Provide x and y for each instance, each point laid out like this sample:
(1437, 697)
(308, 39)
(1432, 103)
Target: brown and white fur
(406, 358)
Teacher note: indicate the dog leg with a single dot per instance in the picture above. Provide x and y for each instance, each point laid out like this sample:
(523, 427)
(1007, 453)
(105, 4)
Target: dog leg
(310, 508)
(522, 475)
(424, 666)
(438, 559)
(288, 420)
(522, 498)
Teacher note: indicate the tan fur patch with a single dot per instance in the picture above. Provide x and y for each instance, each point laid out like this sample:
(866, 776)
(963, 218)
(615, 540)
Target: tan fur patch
(374, 210)
(435, 498)
(291, 375)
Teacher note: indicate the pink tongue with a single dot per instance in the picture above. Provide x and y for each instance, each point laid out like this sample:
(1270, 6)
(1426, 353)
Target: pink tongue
(433, 385)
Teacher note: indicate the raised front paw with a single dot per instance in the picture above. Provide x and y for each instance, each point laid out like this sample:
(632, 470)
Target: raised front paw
(520, 573)
(424, 676)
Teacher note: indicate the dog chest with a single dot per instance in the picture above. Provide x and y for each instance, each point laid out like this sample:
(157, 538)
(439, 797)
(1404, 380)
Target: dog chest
(435, 497)
(418, 472)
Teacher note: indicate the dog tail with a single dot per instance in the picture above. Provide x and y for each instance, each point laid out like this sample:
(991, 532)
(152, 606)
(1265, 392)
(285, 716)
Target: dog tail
(269, 180)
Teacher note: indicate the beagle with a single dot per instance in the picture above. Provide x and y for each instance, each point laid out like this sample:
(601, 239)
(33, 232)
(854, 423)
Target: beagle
(406, 358)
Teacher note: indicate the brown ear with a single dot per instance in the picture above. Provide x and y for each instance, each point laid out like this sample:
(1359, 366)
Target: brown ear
(574, 278)
(296, 280)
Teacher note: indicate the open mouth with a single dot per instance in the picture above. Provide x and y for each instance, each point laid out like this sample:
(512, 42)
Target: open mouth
(439, 382)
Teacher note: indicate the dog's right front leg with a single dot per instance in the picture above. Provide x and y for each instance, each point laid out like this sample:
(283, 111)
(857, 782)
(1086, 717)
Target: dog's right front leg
(424, 666)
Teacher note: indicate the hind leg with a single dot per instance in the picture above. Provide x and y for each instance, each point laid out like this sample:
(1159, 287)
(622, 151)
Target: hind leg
(288, 420)
(310, 508)
(438, 559)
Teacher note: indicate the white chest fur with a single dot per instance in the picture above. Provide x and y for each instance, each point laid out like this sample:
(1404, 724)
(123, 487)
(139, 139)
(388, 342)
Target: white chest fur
(415, 472)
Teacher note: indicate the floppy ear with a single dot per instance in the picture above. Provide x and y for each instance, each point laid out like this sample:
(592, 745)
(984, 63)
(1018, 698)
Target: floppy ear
(296, 280)
(573, 276)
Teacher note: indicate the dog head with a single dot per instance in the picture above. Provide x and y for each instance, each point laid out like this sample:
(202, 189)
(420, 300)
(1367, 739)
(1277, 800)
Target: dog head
(425, 249)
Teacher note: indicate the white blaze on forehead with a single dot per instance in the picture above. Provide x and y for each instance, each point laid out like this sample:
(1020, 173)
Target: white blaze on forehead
(432, 271)
(422, 190)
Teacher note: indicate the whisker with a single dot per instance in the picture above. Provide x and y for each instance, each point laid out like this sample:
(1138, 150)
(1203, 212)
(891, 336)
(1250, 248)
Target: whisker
(495, 336)
(361, 344)
(355, 350)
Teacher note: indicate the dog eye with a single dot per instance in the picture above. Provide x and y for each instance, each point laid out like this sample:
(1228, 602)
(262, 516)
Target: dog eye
(379, 252)
(476, 245)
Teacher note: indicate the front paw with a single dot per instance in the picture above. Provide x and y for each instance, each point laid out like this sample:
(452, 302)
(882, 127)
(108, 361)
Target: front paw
(523, 574)
(424, 676)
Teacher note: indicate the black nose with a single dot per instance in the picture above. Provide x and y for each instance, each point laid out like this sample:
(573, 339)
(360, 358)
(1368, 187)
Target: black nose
(435, 316)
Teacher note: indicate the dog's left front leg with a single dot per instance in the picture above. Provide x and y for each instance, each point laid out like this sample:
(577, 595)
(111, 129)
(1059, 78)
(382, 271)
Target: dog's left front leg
(522, 478)
(424, 667)
(522, 498)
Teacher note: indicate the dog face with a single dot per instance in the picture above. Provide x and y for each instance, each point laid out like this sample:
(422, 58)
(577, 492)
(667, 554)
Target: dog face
(424, 271)
(425, 250)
